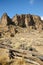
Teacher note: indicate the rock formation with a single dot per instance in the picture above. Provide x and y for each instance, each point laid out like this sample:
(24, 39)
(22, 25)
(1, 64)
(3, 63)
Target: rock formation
(19, 20)
(10, 26)
(5, 24)
(5, 20)
(20, 40)
(27, 20)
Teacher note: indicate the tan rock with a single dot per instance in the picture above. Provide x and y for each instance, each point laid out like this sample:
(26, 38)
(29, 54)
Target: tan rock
(27, 20)
(5, 20)
(37, 21)
(19, 20)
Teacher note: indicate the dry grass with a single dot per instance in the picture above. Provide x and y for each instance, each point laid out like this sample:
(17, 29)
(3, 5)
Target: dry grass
(4, 58)
(19, 61)
(32, 38)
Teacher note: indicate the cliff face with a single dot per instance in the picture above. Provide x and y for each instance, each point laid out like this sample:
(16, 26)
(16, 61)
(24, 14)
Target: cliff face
(19, 20)
(10, 26)
(24, 20)
(27, 20)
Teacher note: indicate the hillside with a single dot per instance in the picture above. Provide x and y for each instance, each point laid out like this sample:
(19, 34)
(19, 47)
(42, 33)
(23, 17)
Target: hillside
(21, 40)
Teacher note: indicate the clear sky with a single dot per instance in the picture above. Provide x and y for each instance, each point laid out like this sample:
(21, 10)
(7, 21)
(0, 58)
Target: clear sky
(12, 7)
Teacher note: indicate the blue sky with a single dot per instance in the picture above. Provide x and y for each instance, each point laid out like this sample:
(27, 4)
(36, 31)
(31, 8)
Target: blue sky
(12, 7)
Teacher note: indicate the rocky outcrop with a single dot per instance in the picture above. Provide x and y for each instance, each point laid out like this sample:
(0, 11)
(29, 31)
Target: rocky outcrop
(19, 20)
(37, 21)
(10, 26)
(24, 20)
(16, 19)
(28, 20)
(6, 20)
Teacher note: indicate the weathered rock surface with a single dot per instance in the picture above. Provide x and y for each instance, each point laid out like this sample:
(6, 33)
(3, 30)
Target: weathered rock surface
(6, 20)
(24, 21)
(28, 20)
(21, 40)
(19, 20)
(6, 25)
